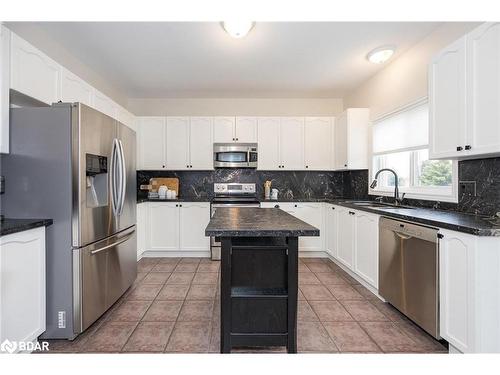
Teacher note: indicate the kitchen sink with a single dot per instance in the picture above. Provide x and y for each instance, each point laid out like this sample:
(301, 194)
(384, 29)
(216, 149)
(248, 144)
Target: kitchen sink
(381, 206)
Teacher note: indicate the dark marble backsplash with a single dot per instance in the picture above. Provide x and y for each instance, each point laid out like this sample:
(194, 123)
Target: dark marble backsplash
(291, 184)
(348, 184)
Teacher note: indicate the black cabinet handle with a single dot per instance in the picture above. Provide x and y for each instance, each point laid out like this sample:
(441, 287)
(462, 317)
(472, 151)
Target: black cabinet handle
(176, 205)
(468, 147)
(277, 206)
(295, 205)
(236, 138)
(333, 208)
(351, 213)
(345, 165)
(163, 166)
(180, 205)
(459, 148)
(307, 166)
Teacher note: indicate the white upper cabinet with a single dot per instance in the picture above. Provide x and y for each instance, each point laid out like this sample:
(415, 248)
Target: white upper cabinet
(152, 142)
(104, 104)
(4, 88)
(246, 129)
(177, 136)
(74, 89)
(351, 139)
(318, 143)
(447, 101)
(464, 96)
(366, 247)
(224, 129)
(268, 143)
(33, 73)
(483, 88)
(201, 143)
(292, 143)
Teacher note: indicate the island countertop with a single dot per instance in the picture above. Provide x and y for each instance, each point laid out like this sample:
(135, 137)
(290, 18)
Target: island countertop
(257, 222)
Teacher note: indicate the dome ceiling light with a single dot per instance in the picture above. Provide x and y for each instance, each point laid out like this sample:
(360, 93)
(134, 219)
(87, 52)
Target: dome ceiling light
(237, 29)
(381, 54)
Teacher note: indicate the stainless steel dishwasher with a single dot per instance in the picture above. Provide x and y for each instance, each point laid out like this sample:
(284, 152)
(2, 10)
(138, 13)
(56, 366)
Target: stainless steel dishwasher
(409, 271)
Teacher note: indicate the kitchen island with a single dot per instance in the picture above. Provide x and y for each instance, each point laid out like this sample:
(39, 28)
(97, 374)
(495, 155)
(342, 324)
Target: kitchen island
(259, 275)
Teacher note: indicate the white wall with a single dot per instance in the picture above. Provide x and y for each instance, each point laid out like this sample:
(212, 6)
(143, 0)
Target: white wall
(235, 106)
(41, 40)
(404, 80)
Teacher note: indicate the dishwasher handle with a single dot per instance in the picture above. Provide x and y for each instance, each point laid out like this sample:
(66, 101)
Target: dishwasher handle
(403, 236)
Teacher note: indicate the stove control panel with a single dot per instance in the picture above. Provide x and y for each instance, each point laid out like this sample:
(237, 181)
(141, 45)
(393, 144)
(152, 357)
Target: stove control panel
(234, 188)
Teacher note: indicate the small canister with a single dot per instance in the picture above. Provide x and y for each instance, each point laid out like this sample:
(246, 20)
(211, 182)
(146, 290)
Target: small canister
(267, 189)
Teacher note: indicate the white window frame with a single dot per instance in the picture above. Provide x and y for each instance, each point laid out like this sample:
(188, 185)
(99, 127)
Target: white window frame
(412, 192)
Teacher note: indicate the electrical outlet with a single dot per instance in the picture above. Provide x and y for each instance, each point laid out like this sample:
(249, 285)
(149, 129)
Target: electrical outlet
(467, 188)
(61, 319)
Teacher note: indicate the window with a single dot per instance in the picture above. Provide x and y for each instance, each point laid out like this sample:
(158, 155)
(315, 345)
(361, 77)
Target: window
(401, 142)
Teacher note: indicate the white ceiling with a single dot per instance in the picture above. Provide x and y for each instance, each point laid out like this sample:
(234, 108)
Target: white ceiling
(198, 59)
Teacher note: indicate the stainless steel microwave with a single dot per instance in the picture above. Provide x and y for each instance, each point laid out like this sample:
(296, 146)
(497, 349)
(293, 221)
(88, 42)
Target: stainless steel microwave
(235, 155)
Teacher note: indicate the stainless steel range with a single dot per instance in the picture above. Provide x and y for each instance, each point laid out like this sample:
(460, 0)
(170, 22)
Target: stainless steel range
(231, 195)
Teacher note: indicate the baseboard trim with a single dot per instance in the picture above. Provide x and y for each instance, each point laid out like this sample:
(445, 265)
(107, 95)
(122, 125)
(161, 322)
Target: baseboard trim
(175, 254)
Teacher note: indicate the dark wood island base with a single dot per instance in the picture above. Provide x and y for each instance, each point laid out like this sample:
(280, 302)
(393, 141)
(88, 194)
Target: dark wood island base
(259, 286)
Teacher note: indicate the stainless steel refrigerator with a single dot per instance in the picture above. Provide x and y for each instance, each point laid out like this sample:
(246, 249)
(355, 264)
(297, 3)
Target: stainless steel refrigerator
(75, 165)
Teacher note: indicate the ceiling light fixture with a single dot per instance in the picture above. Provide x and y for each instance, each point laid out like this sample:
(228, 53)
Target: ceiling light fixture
(381, 54)
(237, 29)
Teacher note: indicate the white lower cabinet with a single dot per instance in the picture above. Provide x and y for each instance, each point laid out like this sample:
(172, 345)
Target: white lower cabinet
(311, 213)
(175, 226)
(469, 279)
(345, 239)
(141, 228)
(331, 230)
(366, 246)
(22, 285)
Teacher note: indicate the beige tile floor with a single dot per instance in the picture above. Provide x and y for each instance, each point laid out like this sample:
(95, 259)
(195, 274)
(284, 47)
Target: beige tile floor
(173, 307)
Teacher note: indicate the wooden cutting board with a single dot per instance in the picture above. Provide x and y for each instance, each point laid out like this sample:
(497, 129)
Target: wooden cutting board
(172, 183)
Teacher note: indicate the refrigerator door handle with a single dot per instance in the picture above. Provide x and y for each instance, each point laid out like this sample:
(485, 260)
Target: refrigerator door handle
(112, 179)
(123, 179)
(121, 240)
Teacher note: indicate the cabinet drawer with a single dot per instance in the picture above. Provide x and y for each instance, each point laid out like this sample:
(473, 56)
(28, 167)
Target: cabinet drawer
(259, 315)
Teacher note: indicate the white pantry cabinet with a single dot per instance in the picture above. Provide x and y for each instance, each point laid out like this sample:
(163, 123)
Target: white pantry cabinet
(176, 227)
(235, 129)
(464, 95)
(4, 88)
(351, 139)
(22, 285)
(366, 246)
(318, 137)
(331, 230)
(33, 73)
(75, 89)
(447, 101)
(151, 143)
(469, 278)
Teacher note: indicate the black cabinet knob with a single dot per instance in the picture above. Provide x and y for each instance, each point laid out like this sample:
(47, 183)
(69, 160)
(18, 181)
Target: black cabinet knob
(459, 148)
(468, 147)
(351, 213)
(277, 206)
(345, 165)
(163, 166)
(236, 138)
(307, 166)
(295, 205)
(333, 208)
(176, 205)
(180, 205)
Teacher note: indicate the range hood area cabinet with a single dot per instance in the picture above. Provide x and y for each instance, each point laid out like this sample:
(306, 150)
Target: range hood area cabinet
(464, 96)
(235, 129)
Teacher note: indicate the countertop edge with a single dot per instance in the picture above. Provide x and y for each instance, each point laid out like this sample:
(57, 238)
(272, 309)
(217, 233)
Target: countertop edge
(25, 225)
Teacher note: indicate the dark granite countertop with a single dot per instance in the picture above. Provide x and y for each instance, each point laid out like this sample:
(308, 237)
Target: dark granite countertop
(9, 226)
(188, 199)
(257, 222)
(452, 220)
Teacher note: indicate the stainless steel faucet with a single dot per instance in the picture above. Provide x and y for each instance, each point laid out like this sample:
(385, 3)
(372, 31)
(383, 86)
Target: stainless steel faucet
(397, 199)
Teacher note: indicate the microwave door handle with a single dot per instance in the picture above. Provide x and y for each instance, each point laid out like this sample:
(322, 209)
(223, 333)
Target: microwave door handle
(248, 157)
(123, 180)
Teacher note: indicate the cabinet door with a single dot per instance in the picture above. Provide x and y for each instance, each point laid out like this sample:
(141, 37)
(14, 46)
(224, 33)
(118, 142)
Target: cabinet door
(33, 73)
(366, 247)
(292, 143)
(142, 215)
(177, 136)
(224, 130)
(4, 88)
(331, 229)
(483, 88)
(163, 227)
(345, 249)
(246, 129)
(194, 218)
(22, 285)
(201, 143)
(447, 102)
(151, 142)
(456, 265)
(311, 213)
(340, 137)
(74, 89)
(268, 134)
(317, 143)
(104, 104)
